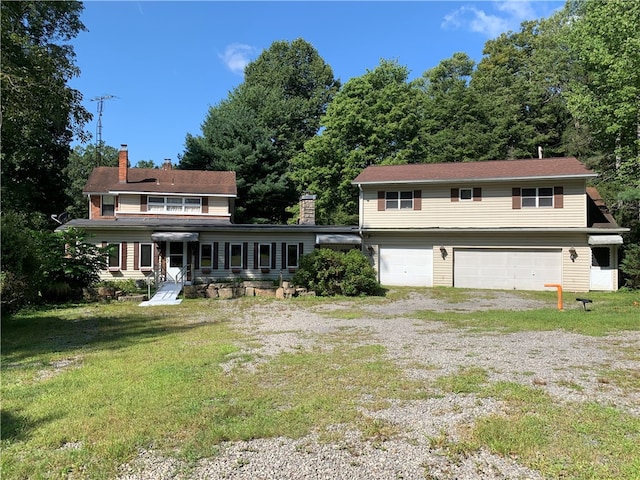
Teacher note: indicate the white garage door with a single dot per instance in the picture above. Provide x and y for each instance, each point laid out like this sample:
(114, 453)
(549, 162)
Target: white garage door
(406, 266)
(507, 268)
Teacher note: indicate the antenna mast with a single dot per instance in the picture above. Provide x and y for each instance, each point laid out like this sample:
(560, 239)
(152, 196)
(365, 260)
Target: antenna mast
(100, 101)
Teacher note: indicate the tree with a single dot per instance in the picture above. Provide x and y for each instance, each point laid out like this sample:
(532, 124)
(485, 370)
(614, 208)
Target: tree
(40, 113)
(375, 119)
(262, 124)
(603, 40)
(82, 161)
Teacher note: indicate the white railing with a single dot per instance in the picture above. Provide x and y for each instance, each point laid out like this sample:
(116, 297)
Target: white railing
(180, 276)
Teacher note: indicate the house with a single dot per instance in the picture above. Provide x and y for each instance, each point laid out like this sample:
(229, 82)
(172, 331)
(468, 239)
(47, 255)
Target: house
(178, 224)
(514, 224)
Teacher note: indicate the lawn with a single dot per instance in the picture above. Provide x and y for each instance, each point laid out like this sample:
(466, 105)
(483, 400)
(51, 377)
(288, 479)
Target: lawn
(84, 387)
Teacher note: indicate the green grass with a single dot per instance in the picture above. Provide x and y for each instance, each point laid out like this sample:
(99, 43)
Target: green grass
(84, 387)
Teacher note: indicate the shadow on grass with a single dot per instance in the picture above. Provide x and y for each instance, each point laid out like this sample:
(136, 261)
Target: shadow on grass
(31, 334)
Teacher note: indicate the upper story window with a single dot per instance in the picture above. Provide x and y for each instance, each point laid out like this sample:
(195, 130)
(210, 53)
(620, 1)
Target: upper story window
(399, 200)
(466, 194)
(174, 205)
(108, 205)
(537, 197)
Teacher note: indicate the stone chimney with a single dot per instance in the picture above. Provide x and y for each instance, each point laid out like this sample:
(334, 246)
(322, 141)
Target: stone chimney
(307, 210)
(167, 164)
(123, 164)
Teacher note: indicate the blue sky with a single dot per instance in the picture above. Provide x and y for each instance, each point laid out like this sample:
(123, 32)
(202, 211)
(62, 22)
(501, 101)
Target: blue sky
(167, 62)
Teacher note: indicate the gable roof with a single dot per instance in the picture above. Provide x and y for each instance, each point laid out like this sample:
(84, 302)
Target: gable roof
(153, 180)
(563, 167)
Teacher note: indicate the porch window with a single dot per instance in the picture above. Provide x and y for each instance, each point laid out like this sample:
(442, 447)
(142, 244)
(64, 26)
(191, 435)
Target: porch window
(113, 262)
(399, 200)
(236, 255)
(292, 255)
(108, 205)
(264, 255)
(206, 255)
(146, 256)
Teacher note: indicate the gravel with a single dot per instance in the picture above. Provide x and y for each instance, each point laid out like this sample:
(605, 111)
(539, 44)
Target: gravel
(565, 365)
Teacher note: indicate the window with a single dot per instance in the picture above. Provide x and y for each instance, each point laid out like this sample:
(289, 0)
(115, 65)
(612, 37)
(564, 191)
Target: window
(108, 205)
(206, 255)
(292, 255)
(601, 257)
(466, 194)
(146, 256)
(113, 262)
(264, 255)
(399, 200)
(538, 197)
(236, 255)
(174, 205)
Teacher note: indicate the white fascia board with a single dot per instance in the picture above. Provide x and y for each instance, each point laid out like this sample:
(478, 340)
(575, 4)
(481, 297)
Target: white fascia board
(167, 194)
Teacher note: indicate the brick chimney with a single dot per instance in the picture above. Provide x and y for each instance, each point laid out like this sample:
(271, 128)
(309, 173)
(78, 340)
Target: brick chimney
(307, 210)
(123, 164)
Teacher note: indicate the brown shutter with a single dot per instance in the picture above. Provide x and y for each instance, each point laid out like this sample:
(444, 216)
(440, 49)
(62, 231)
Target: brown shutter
(196, 247)
(417, 199)
(245, 255)
(300, 249)
(214, 256)
(381, 201)
(205, 204)
(455, 194)
(136, 255)
(477, 194)
(123, 260)
(156, 255)
(558, 197)
(516, 203)
(226, 255)
(283, 255)
(255, 255)
(143, 203)
(273, 255)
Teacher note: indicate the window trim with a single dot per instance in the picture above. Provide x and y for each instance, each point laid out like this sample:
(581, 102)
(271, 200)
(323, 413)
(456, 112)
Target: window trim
(465, 189)
(156, 207)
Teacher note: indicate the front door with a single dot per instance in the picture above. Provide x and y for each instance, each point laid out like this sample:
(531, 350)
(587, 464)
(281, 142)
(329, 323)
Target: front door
(601, 271)
(176, 260)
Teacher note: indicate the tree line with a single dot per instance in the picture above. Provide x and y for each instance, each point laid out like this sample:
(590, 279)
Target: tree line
(569, 84)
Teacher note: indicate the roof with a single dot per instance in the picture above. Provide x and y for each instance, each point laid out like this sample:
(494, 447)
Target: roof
(564, 167)
(598, 214)
(154, 180)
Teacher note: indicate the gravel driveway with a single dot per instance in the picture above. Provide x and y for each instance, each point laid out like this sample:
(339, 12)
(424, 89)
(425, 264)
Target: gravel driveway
(555, 361)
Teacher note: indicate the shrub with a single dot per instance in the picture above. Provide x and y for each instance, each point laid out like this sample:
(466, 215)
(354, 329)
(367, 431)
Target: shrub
(329, 272)
(630, 266)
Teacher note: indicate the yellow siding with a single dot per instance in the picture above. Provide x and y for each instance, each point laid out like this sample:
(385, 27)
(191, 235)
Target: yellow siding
(495, 209)
(575, 274)
(128, 203)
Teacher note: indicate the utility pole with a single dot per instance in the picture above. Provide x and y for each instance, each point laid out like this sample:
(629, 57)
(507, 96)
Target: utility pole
(100, 101)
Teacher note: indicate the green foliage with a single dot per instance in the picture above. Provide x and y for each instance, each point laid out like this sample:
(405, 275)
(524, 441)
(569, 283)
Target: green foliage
(81, 163)
(40, 113)
(261, 125)
(630, 266)
(329, 272)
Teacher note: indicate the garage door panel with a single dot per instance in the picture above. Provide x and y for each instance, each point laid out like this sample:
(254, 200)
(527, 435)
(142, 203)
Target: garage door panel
(406, 266)
(507, 268)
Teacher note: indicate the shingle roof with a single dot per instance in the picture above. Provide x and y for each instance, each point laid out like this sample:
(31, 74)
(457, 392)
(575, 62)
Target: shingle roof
(153, 180)
(487, 170)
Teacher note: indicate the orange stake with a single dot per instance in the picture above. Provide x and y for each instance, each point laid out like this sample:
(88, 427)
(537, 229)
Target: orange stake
(559, 287)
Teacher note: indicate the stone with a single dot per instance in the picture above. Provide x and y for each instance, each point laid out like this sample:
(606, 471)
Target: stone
(250, 291)
(280, 293)
(265, 292)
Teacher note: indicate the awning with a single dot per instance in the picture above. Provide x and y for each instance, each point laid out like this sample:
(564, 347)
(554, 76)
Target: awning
(174, 236)
(338, 239)
(605, 240)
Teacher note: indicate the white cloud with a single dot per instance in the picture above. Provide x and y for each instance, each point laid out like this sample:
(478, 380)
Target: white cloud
(237, 56)
(498, 17)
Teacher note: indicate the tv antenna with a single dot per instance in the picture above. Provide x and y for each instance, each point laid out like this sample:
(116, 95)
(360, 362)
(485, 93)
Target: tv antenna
(100, 101)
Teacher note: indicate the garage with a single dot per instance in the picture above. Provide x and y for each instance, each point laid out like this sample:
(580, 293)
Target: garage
(406, 266)
(512, 269)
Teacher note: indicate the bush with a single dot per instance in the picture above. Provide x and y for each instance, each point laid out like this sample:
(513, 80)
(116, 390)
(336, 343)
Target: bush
(630, 266)
(329, 272)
